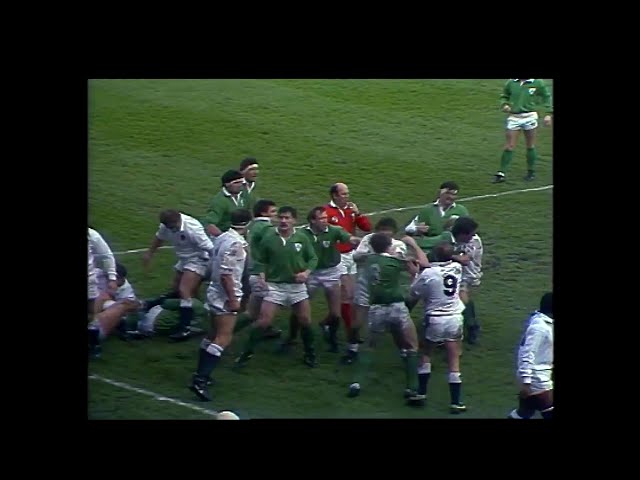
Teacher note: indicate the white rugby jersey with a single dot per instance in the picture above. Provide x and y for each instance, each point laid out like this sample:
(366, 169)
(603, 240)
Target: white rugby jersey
(472, 273)
(190, 241)
(399, 248)
(535, 354)
(125, 292)
(229, 257)
(438, 286)
(100, 253)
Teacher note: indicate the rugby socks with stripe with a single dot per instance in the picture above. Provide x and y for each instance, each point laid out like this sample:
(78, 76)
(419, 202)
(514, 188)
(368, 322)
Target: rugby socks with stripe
(210, 354)
(186, 314)
(410, 367)
(424, 372)
(455, 386)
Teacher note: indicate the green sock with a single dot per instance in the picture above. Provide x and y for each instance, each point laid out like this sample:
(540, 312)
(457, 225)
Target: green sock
(307, 338)
(471, 308)
(243, 321)
(532, 156)
(294, 326)
(173, 305)
(411, 370)
(254, 337)
(505, 161)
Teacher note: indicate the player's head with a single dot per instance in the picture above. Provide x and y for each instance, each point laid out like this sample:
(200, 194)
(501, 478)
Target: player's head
(249, 169)
(240, 220)
(265, 208)
(442, 252)
(448, 193)
(287, 217)
(380, 242)
(339, 194)
(546, 304)
(171, 219)
(386, 225)
(318, 218)
(464, 229)
(233, 181)
(121, 274)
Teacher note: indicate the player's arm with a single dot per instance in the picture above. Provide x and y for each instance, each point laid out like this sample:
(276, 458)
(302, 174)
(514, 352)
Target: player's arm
(505, 98)
(363, 222)
(419, 254)
(309, 255)
(201, 238)
(461, 258)
(363, 251)
(158, 240)
(344, 237)
(227, 264)
(544, 92)
(417, 225)
(527, 354)
(413, 296)
(214, 214)
(103, 252)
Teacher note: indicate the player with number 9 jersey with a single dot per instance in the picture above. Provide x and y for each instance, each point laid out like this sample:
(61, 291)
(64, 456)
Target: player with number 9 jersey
(439, 289)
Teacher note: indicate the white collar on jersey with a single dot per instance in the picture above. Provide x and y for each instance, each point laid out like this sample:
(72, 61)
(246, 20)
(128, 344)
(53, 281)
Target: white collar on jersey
(528, 80)
(545, 317)
(262, 219)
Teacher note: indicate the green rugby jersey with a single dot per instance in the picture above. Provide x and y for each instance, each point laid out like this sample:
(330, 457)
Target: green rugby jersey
(526, 95)
(220, 208)
(434, 216)
(324, 244)
(383, 274)
(283, 258)
(257, 228)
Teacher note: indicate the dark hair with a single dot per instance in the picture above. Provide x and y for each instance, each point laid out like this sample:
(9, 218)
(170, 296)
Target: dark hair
(262, 206)
(240, 217)
(314, 213)
(449, 186)
(379, 242)
(386, 222)
(464, 225)
(246, 162)
(230, 176)
(546, 304)
(442, 252)
(169, 216)
(288, 209)
(333, 189)
(121, 270)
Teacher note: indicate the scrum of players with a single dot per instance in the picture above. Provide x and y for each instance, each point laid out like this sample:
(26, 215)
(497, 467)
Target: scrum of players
(254, 258)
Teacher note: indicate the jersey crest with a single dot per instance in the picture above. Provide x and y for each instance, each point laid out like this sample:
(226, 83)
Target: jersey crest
(326, 243)
(298, 246)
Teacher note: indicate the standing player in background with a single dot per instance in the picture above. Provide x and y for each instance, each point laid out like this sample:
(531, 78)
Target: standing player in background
(325, 239)
(399, 249)
(535, 363)
(249, 170)
(429, 223)
(438, 288)
(223, 298)
(520, 98)
(288, 258)
(230, 198)
(344, 213)
(193, 249)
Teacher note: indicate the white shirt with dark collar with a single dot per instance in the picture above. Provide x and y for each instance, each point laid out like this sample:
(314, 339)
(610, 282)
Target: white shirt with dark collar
(190, 241)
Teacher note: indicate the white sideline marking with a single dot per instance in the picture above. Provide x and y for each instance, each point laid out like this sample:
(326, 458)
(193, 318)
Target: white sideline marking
(155, 396)
(402, 209)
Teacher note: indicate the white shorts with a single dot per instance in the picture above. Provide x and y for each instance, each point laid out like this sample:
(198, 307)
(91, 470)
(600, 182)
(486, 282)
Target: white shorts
(347, 265)
(361, 294)
(522, 121)
(286, 294)
(196, 265)
(216, 301)
(382, 317)
(257, 287)
(445, 328)
(92, 288)
(325, 278)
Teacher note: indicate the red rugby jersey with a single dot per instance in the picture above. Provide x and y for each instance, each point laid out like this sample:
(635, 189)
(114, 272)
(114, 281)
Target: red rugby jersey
(347, 220)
